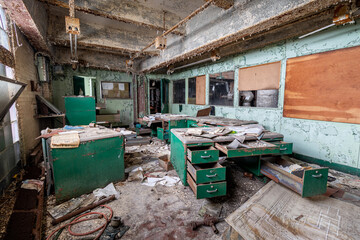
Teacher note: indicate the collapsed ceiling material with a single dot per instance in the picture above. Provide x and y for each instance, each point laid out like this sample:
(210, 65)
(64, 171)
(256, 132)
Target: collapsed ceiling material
(156, 34)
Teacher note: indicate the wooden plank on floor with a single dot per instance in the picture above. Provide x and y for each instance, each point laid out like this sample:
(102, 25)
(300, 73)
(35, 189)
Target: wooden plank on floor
(276, 212)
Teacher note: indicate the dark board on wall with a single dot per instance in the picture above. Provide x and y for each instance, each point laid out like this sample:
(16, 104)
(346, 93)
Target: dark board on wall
(324, 86)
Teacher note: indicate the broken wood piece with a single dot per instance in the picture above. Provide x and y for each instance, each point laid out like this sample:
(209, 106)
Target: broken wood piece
(81, 210)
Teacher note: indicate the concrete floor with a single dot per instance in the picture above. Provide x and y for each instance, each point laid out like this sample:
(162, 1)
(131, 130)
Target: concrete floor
(163, 212)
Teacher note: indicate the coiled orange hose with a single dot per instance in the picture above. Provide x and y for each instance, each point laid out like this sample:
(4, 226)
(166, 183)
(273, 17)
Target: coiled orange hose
(78, 220)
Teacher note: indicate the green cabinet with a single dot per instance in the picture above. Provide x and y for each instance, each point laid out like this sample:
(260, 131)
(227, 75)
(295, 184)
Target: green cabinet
(80, 110)
(93, 164)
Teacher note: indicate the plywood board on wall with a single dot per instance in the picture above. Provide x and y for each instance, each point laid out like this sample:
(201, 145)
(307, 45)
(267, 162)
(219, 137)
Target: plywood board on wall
(201, 90)
(324, 86)
(260, 77)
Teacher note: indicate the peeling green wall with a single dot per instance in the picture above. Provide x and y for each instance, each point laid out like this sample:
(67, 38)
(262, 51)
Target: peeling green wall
(331, 141)
(62, 85)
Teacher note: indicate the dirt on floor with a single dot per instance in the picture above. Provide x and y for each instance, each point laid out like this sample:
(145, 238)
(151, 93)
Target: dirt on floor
(7, 201)
(164, 212)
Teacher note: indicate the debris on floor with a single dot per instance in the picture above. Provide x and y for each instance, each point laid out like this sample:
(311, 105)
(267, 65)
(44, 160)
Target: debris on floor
(275, 212)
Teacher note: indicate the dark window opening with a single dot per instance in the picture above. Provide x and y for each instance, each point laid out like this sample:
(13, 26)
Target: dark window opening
(179, 91)
(192, 91)
(221, 90)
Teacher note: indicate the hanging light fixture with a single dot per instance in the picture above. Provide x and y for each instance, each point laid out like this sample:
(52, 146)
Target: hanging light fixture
(72, 25)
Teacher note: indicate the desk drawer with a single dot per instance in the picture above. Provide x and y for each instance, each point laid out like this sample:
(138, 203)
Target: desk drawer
(206, 173)
(307, 182)
(284, 147)
(250, 148)
(207, 190)
(203, 155)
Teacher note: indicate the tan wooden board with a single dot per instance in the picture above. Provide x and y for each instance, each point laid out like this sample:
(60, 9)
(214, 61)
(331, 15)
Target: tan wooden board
(201, 90)
(276, 212)
(70, 140)
(324, 86)
(260, 77)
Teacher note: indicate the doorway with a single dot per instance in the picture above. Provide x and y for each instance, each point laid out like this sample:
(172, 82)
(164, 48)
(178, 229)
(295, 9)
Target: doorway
(155, 96)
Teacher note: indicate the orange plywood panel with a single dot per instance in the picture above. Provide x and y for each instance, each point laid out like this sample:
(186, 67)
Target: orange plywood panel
(324, 86)
(201, 90)
(260, 77)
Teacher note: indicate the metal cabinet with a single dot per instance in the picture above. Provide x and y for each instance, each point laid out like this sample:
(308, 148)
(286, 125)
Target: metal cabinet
(94, 164)
(80, 110)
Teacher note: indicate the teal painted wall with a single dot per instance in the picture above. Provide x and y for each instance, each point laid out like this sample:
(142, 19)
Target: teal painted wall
(330, 141)
(62, 85)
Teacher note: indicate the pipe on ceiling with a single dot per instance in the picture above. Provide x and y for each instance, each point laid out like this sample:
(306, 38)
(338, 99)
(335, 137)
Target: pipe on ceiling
(194, 13)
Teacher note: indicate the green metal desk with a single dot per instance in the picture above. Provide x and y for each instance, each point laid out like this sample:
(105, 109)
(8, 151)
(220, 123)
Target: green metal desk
(98, 161)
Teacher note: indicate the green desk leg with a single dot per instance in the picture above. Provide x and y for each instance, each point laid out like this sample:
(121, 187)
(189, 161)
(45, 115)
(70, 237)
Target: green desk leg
(251, 164)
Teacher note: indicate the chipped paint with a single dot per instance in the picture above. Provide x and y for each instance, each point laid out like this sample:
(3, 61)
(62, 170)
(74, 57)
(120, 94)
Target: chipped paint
(331, 141)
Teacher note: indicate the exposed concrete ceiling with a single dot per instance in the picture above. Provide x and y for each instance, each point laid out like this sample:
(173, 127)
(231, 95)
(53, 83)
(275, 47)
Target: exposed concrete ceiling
(113, 30)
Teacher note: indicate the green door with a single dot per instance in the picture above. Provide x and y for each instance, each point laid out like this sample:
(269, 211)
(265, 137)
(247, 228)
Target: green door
(164, 95)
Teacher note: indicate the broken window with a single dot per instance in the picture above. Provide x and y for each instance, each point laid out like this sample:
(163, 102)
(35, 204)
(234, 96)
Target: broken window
(221, 90)
(10, 90)
(192, 91)
(179, 91)
(258, 85)
(115, 90)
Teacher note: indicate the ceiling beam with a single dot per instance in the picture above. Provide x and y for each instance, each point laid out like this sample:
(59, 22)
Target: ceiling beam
(124, 11)
(232, 26)
(263, 39)
(86, 58)
(99, 37)
(24, 14)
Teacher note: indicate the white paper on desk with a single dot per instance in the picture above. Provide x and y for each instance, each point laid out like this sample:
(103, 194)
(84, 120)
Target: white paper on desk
(121, 86)
(107, 86)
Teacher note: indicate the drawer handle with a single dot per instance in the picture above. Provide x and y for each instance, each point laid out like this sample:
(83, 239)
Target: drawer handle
(208, 156)
(317, 176)
(210, 176)
(211, 191)
(283, 149)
